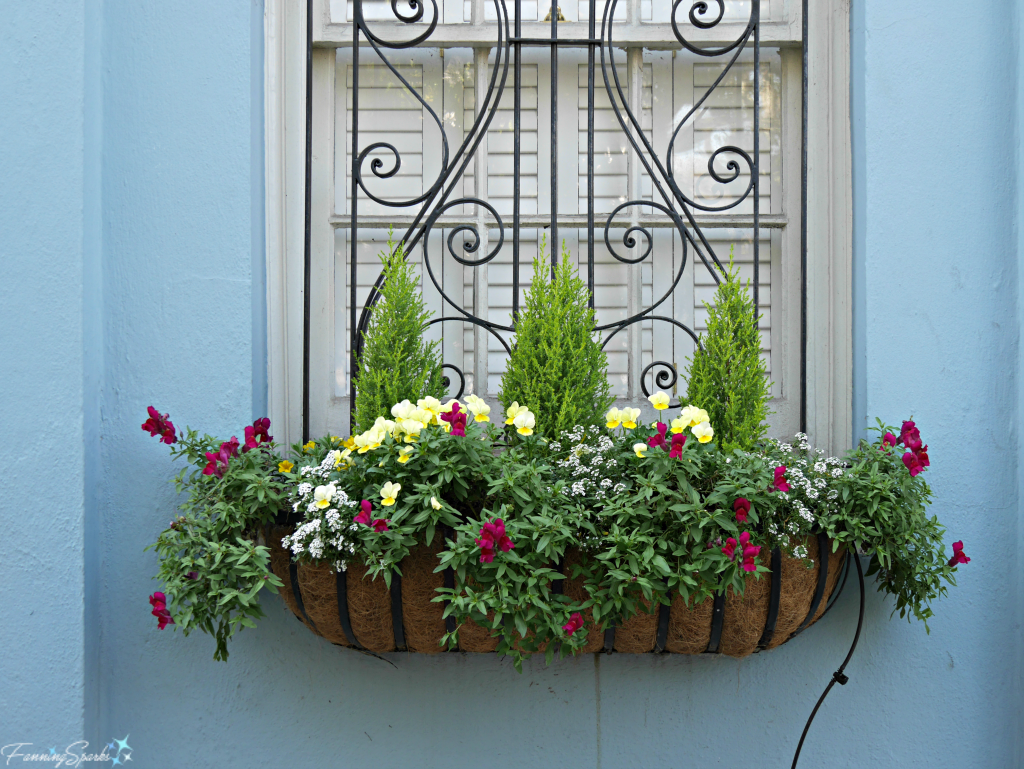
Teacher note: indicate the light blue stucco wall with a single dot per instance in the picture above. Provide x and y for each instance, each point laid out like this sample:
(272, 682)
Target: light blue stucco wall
(130, 273)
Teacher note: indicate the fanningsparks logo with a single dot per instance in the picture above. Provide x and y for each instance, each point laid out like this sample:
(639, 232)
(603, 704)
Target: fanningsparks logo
(117, 752)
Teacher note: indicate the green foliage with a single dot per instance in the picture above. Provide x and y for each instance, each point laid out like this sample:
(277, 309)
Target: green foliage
(396, 363)
(727, 377)
(214, 538)
(883, 509)
(557, 367)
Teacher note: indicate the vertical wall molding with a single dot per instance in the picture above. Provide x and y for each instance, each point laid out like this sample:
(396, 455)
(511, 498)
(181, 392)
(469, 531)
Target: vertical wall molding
(829, 228)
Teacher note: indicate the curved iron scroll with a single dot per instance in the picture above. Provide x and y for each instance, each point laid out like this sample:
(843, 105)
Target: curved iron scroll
(726, 166)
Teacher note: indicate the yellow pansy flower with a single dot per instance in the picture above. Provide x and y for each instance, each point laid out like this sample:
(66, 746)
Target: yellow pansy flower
(524, 422)
(334, 457)
(639, 449)
(659, 400)
(349, 443)
(686, 416)
(629, 417)
(389, 493)
(431, 404)
(309, 446)
(613, 418)
(700, 416)
(323, 495)
(679, 424)
(404, 455)
(478, 408)
(402, 410)
(703, 432)
(435, 504)
(343, 460)
(285, 466)
(368, 441)
(513, 411)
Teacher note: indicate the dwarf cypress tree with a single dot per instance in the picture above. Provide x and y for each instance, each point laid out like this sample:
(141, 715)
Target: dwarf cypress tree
(728, 377)
(396, 363)
(557, 367)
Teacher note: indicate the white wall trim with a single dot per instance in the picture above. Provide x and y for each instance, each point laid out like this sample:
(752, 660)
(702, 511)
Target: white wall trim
(829, 228)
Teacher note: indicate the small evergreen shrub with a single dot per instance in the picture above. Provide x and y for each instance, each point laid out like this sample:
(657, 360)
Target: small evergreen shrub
(396, 363)
(728, 378)
(557, 367)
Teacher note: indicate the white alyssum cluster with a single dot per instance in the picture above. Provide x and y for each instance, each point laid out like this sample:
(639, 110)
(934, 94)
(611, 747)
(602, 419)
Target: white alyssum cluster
(587, 464)
(328, 529)
(810, 475)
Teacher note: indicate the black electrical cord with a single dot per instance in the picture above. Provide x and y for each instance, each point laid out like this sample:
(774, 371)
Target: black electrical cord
(838, 677)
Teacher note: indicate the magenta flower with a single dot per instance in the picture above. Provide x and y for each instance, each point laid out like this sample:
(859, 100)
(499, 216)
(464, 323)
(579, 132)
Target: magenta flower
(913, 463)
(192, 575)
(910, 436)
(742, 508)
(492, 535)
(781, 484)
(257, 434)
(922, 457)
(217, 462)
(575, 623)
(380, 525)
(678, 441)
(159, 424)
(889, 441)
(750, 553)
(457, 419)
(729, 548)
(364, 515)
(159, 603)
(958, 554)
(658, 441)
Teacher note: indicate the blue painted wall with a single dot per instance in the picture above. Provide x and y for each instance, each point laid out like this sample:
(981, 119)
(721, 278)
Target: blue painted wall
(130, 273)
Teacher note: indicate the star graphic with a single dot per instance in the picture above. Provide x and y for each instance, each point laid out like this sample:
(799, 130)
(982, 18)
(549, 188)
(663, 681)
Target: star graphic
(110, 746)
(123, 744)
(53, 751)
(115, 761)
(127, 757)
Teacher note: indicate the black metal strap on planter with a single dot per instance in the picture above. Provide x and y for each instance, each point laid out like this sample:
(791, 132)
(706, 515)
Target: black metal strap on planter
(717, 618)
(341, 588)
(819, 591)
(773, 602)
(663, 617)
(293, 575)
(609, 639)
(558, 585)
(396, 611)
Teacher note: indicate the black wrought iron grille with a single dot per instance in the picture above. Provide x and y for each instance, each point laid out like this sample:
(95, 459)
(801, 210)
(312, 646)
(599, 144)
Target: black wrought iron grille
(633, 242)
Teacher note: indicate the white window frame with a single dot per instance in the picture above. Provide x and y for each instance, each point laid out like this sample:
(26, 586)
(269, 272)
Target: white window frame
(828, 209)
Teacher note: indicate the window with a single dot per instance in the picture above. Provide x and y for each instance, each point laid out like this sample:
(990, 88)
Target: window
(449, 76)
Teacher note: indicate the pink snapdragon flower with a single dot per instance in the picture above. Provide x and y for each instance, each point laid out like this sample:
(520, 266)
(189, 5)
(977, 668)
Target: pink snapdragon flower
(750, 553)
(380, 525)
(910, 459)
(678, 441)
(742, 508)
(729, 549)
(575, 623)
(364, 515)
(257, 434)
(658, 440)
(910, 436)
(958, 554)
(492, 535)
(159, 603)
(159, 424)
(889, 441)
(457, 419)
(781, 484)
(217, 462)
